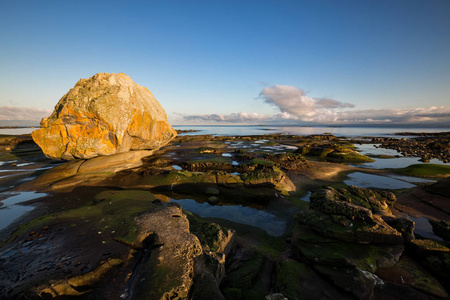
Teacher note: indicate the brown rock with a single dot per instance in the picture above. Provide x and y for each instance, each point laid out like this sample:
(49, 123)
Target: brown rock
(170, 270)
(103, 115)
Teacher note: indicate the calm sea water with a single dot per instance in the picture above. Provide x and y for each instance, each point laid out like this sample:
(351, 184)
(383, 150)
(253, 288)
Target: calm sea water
(17, 131)
(297, 130)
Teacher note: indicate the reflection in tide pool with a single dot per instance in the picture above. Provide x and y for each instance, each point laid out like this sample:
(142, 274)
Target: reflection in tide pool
(306, 197)
(236, 213)
(412, 179)
(423, 227)
(364, 180)
(388, 163)
(9, 214)
(10, 211)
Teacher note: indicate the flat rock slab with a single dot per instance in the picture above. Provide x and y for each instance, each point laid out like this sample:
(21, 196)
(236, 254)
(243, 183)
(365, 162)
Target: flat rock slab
(87, 172)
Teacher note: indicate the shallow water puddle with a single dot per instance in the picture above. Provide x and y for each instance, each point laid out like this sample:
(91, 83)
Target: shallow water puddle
(9, 214)
(14, 170)
(8, 162)
(261, 141)
(176, 167)
(25, 164)
(236, 213)
(279, 148)
(364, 180)
(306, 197)
(412, 179)
(227, 155)
(424, 228)
(385, 163)
(10, 211)
(289, 147)
(18, 197)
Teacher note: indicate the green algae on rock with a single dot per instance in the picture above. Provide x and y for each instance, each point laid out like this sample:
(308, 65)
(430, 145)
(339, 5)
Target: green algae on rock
(343, 153)
(425, 170)
(352, 215)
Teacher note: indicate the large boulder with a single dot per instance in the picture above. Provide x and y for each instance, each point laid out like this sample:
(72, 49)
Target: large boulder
(104, 115)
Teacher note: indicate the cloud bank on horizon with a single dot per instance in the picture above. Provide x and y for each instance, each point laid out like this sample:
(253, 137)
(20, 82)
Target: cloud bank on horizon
(296, 108)
(293, 107)
(22, 116)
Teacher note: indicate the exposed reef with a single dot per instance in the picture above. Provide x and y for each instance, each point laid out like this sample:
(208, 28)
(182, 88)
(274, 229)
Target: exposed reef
(112, 227)
(426, 146)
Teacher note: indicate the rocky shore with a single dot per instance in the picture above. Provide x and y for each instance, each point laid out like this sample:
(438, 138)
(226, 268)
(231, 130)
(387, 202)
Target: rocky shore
(105, 201)
(427, 146)
(116, 219)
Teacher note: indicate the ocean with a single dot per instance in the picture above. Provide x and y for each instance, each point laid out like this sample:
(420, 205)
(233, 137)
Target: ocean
(236, 130)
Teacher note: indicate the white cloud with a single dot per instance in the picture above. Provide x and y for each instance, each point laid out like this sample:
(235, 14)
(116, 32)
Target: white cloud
(295, 107)
(293, 101)
(422, 115)
(289, 99)
(10, 113)
(241, 117)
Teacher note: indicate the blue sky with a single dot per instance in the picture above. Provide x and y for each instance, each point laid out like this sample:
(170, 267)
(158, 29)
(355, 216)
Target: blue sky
(236, 62)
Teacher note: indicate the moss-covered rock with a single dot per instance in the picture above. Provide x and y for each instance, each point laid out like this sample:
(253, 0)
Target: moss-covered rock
(403, 225)
(246, 269)
(353, 280)
(351, 215)
(208, 164)
(211, 235)
(297, 281)
(335, 153)
(349, 234)
(409, 273)
(434, 255)
(288, 161)
(169, 271)
(441, 228)
(316, 249)
(425, 170)
(117, 233)
(440, 187)
(348, 156)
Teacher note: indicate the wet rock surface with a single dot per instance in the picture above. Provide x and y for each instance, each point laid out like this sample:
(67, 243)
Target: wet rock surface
(351, 237)
(351, 215)
(427, 146)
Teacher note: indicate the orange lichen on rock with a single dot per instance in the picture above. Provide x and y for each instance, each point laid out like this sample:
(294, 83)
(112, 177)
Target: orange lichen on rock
(103, 115)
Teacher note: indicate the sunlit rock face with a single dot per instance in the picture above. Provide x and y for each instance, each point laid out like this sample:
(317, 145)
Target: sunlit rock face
(104, 115)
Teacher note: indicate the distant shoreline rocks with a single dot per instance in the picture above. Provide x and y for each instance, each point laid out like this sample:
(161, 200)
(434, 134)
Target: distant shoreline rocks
(428, 146)
(17, 127)
(179, 131)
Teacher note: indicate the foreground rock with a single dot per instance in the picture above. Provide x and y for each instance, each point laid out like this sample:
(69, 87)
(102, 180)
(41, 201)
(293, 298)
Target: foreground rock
(125, 237)
(351, 237)
(103, 115)
(104, 233)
